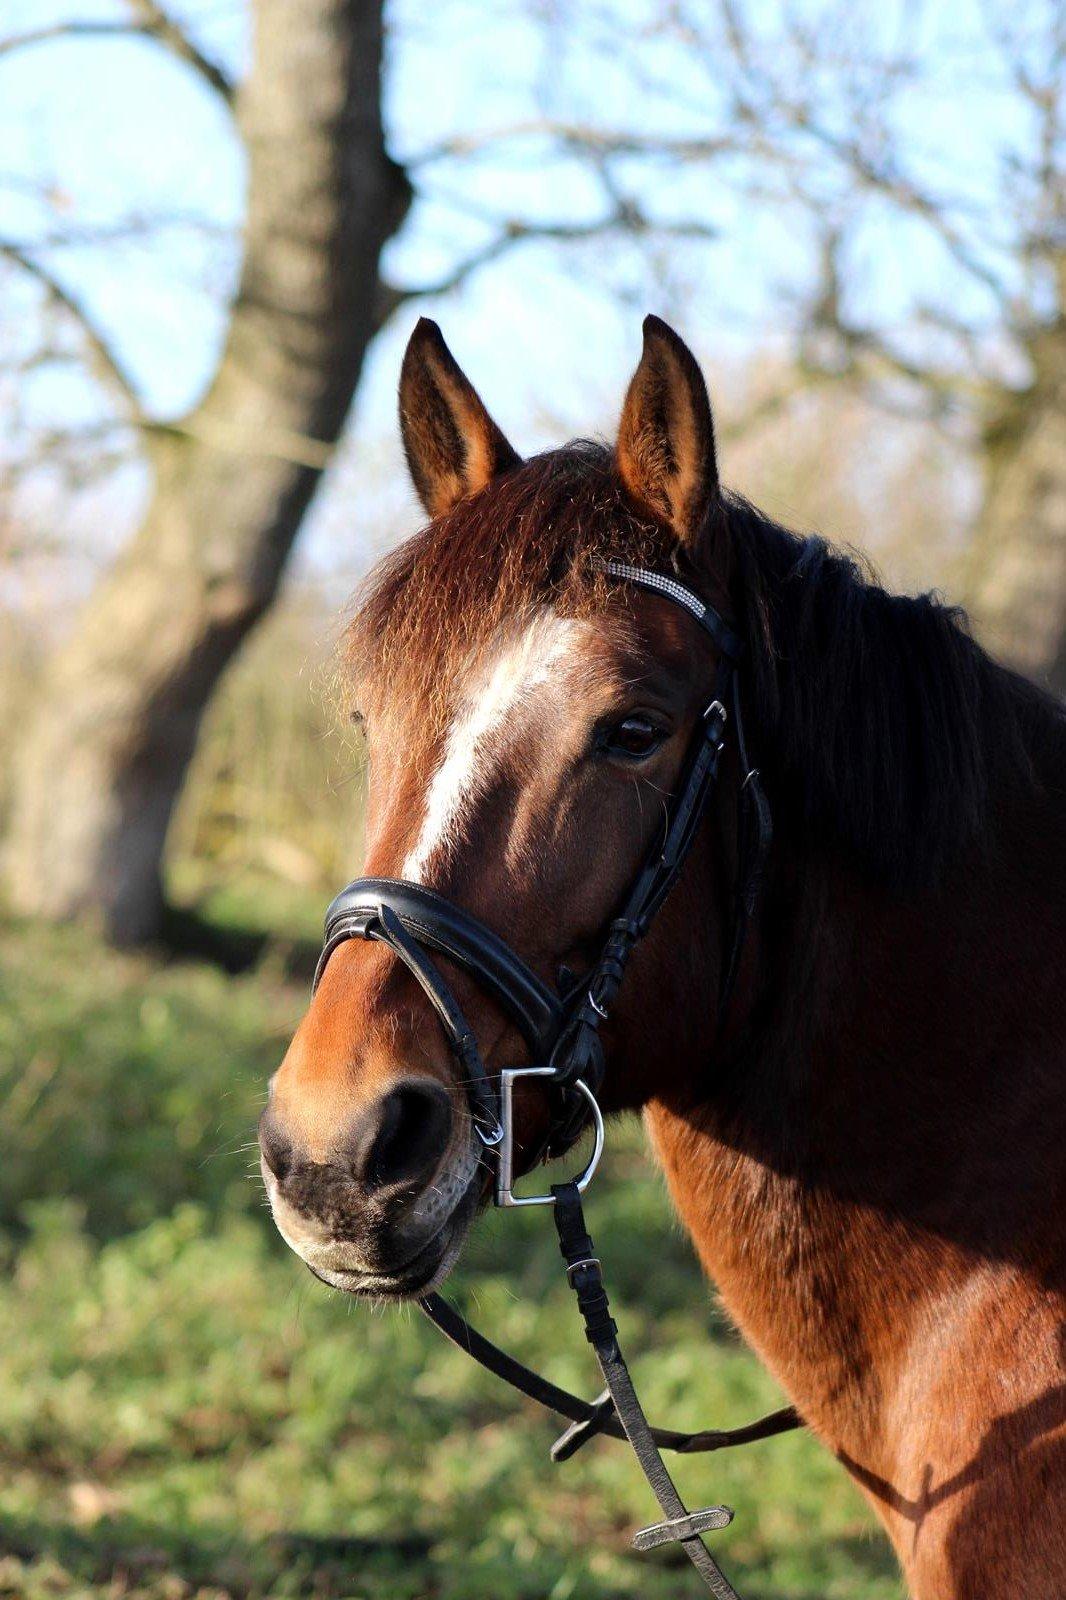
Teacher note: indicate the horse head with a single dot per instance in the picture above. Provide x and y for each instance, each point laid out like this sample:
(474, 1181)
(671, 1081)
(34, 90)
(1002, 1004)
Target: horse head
(528, 722)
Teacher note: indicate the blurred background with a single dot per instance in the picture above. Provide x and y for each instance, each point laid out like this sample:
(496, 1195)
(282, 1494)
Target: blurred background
(219, 220)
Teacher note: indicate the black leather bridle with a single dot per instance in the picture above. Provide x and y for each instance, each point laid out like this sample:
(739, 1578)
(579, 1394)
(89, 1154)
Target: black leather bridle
(561, 1030)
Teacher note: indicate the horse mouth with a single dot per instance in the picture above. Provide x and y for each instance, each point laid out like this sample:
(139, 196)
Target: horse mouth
(422, 1272)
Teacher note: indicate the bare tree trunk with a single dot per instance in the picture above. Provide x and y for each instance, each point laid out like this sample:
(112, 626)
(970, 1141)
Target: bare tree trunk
(103, 761)
(1017, 587)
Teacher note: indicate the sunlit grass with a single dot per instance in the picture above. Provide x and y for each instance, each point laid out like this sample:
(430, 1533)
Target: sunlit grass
(184, 1411)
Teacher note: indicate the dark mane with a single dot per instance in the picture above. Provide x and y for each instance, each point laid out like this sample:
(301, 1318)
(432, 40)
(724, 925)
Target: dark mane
(880, 725)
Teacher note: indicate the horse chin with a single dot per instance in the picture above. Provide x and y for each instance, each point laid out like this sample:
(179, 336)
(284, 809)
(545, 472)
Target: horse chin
(423, 1272)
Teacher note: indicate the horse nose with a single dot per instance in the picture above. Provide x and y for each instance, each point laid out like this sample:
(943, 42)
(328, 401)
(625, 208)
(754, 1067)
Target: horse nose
(401, 1138)
(397, 1140)
(274, 1145)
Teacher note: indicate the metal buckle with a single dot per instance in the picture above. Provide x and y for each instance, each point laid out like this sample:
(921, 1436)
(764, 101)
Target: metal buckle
(595, 1004)
(491, 1136)
(575, 1266)
(718, 711)
(505, 1149)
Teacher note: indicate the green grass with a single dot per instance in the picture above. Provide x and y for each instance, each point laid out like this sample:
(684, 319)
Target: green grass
(184, 1412)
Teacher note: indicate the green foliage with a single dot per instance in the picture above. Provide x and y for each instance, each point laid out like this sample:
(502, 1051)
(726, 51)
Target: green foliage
(184, 1412)
(126, 1085)
(276, 785)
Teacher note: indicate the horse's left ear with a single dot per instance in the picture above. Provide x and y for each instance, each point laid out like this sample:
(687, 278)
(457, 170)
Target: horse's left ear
(665, 449)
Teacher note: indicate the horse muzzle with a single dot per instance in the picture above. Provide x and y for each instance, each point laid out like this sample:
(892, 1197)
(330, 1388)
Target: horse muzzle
(387, 1213)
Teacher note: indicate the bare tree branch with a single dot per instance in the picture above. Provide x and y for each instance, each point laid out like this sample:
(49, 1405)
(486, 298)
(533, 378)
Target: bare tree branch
(81, 454)
(770, 97)
(577, 136)
(232, 437)
(833, 344)
(102, 359)
(752, 140)
(66, 30)
(160, 25)
(123, 230)
(626, 217)
(150, 22)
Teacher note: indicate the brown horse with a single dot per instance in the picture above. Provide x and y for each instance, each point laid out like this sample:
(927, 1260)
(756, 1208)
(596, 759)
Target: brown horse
(869, 1151)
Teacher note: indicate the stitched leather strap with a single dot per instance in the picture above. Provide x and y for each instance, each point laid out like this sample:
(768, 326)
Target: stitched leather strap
(680, 1526)
(447, 930)
(383, 924)
(588, 1418)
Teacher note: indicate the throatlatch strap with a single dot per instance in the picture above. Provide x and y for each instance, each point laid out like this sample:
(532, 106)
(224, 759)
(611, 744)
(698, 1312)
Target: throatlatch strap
(588, 1418)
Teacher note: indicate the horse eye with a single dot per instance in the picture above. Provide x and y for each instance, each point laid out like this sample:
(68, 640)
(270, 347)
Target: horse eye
(633, 739)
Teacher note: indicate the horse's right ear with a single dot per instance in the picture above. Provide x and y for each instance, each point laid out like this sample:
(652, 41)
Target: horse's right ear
(452, 445)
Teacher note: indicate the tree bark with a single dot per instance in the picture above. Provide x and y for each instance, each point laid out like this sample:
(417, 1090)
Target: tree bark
(1017, 585)
(104, 757)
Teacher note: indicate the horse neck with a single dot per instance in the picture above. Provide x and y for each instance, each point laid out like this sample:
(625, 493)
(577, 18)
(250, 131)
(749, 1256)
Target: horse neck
(858, 1157)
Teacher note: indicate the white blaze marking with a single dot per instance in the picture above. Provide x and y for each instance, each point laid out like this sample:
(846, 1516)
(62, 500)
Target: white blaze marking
(512, 672)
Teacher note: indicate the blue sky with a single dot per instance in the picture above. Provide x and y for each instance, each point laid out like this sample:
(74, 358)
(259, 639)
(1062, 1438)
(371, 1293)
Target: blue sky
(115, 127)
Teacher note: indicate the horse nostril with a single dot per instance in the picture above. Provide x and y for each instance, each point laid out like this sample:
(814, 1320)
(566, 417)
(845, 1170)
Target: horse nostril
(276, 1149)
(414, 1123)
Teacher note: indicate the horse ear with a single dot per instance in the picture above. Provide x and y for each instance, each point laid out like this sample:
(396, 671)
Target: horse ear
(452, 445)
(665, 449)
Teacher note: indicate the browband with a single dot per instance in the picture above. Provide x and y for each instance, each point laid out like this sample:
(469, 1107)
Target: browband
(729, 643)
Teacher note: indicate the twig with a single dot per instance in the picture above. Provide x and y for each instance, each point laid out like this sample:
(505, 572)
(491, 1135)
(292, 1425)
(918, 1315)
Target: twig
(627, 217)
(102, 358)
(154, 23)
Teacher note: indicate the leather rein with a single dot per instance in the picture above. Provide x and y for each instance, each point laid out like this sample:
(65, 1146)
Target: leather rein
(561, 1029)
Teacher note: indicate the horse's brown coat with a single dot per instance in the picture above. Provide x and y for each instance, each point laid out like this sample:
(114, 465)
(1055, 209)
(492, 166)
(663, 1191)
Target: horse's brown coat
(871, 1159)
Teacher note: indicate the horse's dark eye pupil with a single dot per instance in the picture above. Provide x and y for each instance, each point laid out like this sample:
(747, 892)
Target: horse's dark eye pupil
(636, 736)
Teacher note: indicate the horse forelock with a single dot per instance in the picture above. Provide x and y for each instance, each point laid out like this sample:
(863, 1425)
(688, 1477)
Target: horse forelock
(437, 609)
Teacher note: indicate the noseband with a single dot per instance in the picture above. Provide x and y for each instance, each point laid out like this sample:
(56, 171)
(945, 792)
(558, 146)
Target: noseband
(561, 1030)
